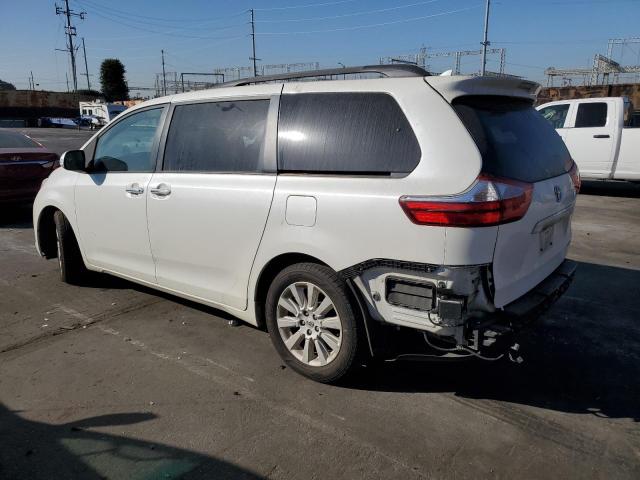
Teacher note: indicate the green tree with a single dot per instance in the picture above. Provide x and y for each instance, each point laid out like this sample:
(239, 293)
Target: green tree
(6, 85)
(114, 85)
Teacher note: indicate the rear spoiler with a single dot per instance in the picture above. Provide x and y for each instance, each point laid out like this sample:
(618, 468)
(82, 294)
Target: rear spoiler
(457, 86)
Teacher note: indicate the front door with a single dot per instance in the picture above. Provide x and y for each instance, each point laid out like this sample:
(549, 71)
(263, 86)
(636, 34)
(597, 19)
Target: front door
(557, 115)
(209, 203)
(111, 201)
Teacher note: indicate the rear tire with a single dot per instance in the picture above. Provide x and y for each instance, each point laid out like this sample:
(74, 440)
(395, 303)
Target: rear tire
(72, 268)
(312, 322)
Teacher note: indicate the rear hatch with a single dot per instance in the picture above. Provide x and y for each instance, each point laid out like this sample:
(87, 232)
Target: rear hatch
(516, 143)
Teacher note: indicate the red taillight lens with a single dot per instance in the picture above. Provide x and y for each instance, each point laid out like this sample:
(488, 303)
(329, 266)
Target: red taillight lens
(574, 173)
(490, 201)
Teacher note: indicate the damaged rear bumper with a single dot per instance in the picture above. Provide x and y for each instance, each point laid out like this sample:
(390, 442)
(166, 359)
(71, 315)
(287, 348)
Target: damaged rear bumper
(542, 296)
(482, 330)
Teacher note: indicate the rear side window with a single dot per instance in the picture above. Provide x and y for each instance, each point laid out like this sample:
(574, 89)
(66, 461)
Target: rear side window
(217, 137)
(514, 139)
(591, 115)
(555, 114)
(348, 133)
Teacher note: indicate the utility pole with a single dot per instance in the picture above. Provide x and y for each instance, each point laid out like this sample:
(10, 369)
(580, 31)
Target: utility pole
(253, 41)
(485, 42)
(66, 75)
(70, 30)
(33, 83)
(86, 68)
(164, 78)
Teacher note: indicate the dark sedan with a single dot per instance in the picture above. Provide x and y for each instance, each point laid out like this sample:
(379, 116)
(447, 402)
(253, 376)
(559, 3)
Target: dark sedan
(24, 164)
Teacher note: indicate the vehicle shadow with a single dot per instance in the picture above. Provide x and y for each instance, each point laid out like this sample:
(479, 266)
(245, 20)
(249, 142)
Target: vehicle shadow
(16, 216)
(610, 189)
(582, 357)
(38, 450)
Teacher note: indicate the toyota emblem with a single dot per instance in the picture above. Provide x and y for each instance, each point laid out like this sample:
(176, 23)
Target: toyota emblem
(558, 193)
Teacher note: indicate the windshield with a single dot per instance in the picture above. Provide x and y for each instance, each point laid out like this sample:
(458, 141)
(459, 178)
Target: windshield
(514, 139)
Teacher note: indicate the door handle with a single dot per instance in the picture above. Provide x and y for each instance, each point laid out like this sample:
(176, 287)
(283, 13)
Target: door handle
(134, 189)
(162, 190)
(601, 136)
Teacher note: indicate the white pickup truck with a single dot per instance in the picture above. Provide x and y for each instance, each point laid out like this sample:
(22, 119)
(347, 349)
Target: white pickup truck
(599, 134)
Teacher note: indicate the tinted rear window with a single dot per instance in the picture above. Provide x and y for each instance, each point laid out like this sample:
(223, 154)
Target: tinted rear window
(16, 140)
(217, 137)
(591, 115)
(357, 133)
(514, 139)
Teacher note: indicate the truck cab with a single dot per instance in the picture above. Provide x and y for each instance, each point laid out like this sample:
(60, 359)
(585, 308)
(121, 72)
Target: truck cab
(599, 134)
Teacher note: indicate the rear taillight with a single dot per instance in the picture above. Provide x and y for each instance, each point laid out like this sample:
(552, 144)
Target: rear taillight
(490, 201)
(574, 173)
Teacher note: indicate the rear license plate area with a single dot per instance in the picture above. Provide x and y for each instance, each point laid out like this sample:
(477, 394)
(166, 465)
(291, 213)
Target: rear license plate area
(546, 238)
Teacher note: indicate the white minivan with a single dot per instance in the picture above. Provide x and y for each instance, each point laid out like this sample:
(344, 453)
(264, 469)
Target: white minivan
(355, 218)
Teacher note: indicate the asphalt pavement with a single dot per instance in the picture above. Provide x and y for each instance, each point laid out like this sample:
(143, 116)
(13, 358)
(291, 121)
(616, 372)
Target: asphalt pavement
(113, 380)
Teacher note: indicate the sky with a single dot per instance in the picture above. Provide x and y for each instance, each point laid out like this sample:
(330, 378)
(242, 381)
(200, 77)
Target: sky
(200, 35)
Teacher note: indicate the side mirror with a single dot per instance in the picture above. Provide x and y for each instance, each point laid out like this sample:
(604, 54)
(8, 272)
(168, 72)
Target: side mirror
(73, 160)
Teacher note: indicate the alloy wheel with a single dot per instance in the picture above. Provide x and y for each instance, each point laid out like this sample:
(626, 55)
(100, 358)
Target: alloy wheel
(309, 324)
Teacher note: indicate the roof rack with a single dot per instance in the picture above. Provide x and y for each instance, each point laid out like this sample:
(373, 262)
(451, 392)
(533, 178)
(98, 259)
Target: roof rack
(393, 70)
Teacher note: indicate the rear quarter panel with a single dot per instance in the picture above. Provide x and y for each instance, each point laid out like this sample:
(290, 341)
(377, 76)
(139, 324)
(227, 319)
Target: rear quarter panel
(359, 218)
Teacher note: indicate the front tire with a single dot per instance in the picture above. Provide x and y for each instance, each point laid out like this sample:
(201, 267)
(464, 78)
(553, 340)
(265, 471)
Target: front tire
(312, 323)
(72, 268)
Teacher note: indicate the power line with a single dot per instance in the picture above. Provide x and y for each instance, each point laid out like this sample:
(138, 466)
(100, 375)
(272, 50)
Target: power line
(159, 19)
(172, 33)
(291, 7)
(354, 14)
(111, 14)
(373, 25)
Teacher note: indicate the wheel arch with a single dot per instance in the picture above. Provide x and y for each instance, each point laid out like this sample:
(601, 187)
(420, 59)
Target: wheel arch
(269, 272)
(46, 232)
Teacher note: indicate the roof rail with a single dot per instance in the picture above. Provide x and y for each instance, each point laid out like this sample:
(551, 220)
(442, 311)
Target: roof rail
(393, 70)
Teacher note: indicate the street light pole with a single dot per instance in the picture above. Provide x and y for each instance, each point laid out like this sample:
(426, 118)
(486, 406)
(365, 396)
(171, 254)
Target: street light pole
(253, 42)
(164, 77)
(485, 42)
(86, 67)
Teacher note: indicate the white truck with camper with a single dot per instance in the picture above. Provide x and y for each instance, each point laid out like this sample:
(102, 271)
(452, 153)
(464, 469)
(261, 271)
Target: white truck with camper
(601, 135)
(355, 218)
(99, 113)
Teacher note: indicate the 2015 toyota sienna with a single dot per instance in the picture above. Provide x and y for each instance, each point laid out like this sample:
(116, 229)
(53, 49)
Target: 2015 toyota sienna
(378, 216)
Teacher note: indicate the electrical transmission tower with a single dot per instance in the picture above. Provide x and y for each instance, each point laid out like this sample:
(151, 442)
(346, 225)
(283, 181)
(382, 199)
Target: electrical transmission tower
(420, 58)
(235, 73)
(604, 70)
(70, 30)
